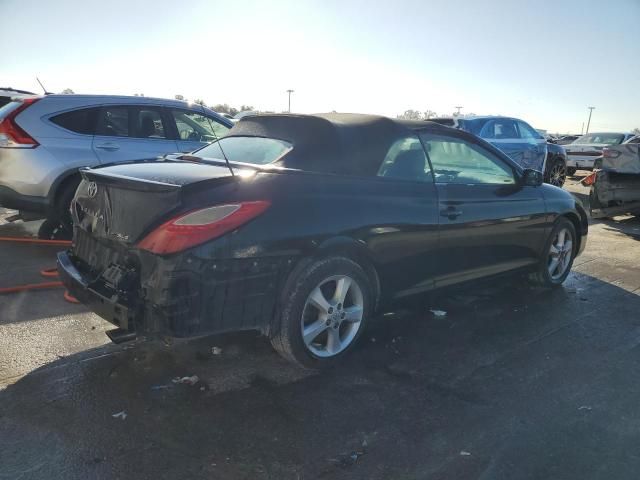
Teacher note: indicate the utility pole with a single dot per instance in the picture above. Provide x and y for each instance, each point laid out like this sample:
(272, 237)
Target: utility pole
(589, 121)
(290, 92)
(458, 112)
(582, 129)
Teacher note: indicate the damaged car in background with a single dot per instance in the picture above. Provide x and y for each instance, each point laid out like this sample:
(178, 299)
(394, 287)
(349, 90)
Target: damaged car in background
(302, 226)
(525, 145)
(585, 152)
(615, 186)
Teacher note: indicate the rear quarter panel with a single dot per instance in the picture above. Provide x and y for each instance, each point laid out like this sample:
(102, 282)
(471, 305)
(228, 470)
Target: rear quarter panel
(312, 214)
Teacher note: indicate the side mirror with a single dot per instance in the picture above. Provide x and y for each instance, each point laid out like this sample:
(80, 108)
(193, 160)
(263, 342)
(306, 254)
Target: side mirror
(532, 178)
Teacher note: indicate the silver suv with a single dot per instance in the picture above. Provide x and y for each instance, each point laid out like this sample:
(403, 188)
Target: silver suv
(44, 140)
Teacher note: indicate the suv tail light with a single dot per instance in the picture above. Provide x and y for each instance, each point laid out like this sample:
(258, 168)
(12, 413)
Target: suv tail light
(11, 134)
(199, 226)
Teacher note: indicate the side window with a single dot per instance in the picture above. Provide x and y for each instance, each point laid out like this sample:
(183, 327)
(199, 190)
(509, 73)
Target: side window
(499, 129)
(406, 160)
(113, 121)
(634, 140)
(527, 132)
(78, 121)
(148, 123)
(197, 127)
(457, 161)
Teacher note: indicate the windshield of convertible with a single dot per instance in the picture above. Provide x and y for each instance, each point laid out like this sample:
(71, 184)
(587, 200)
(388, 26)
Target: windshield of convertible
(256, 150)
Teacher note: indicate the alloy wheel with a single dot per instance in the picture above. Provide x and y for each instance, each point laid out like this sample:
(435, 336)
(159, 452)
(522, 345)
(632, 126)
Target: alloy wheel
(557, 175)
(332, 316)
(560, 253)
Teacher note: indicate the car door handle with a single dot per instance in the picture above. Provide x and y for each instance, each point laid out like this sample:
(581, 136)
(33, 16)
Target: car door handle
(451, 213)
(110, 146)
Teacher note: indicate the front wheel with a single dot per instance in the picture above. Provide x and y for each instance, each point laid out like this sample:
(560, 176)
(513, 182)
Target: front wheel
(559, 253)
(323, 311)
(557, 173)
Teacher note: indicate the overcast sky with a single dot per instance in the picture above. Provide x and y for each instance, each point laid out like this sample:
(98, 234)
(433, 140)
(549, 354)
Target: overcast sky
(542, 61)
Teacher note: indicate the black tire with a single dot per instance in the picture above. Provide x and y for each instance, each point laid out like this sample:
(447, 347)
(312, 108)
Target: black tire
(542, 277)
(53, 230)
(59, 224)
(63, 204)
(556, 173)
(571, 171)
(286, 335)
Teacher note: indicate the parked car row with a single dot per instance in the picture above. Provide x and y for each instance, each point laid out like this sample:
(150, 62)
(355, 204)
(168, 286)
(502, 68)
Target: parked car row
(44, 140)
(303, 226)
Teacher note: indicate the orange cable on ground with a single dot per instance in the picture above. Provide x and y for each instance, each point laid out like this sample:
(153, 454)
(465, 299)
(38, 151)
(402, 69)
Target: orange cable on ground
(30, 286)
(36, 241)
(47, 272)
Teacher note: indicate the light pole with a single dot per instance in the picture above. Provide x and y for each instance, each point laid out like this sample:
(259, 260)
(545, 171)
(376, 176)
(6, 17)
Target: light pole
(589, 121)
(458, 112)
(290, 92)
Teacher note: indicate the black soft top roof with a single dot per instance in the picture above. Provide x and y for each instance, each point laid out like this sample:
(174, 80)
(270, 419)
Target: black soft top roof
(342, 143)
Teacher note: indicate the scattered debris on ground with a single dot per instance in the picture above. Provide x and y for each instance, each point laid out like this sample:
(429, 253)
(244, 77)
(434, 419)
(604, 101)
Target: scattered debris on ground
(438, 313)
(187, 380)
(216, 350)
(464, 453)
(122, 415)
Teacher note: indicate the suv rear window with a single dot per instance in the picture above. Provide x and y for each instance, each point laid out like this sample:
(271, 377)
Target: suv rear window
(256, 150)
(79, 121)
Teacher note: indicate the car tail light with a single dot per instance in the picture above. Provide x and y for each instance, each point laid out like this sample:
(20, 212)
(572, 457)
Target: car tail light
(199, 226)
(589, 179)
(11, 134)
(608, 153)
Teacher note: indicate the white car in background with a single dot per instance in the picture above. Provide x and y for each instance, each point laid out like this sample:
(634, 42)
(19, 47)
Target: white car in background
(585, 150)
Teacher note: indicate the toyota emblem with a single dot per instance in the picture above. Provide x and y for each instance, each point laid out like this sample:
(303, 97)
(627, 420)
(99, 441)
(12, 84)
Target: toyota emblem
(92, 189)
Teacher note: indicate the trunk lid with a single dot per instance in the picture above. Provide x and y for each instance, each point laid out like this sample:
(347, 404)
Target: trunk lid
(122, 202)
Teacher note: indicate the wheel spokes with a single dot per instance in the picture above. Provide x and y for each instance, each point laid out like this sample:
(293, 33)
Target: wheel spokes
(333, 341)
(312, 331)
(342, 287)
(561, 235)
(317, 300)
(332, 316)
(353, 313)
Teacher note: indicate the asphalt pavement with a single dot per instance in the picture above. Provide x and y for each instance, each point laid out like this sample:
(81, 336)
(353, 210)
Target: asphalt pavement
(513, 383)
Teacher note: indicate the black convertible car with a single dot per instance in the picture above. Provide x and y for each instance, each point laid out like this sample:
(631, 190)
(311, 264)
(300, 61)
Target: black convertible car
(301, 226)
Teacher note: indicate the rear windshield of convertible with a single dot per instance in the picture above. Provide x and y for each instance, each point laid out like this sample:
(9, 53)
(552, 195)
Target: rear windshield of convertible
(256, 150)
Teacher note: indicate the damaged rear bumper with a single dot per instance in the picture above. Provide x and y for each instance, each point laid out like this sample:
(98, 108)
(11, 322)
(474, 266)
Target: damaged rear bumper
(183, 297)
(615, 193)
(107, 306)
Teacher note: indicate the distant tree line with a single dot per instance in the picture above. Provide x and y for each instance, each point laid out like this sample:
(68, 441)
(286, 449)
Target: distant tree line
(220, 107)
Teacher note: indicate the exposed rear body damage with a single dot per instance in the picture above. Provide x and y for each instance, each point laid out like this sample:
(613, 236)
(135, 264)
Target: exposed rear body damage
(178, 295)
(615, 189)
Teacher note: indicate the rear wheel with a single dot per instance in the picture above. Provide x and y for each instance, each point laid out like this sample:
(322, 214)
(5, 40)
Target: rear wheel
(556, 262)
(323, 311)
